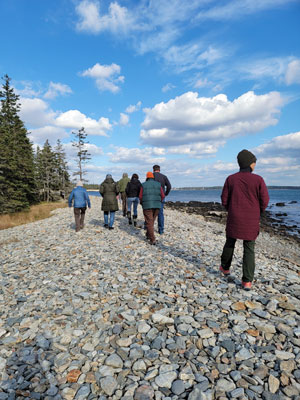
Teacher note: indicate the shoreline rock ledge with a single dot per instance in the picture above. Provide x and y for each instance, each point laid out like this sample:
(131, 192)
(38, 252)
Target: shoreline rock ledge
(101, 314)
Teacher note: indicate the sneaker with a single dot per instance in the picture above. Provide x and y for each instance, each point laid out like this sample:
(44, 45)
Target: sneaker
(224, 271)
(153, 243)
(105, 225)
(111, 227)
(247, 285)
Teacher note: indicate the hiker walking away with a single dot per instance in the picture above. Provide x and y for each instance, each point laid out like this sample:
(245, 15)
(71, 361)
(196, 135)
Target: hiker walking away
(151, 195)
(122, 186)
(166, 186)
(109, 190)
(132, 192)
(245, 196)
(81, 199)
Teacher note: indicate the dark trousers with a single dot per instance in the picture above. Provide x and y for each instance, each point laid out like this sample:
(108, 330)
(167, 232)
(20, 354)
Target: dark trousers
(79, 214)
(150, 217)
(248, 257)
(124, 202)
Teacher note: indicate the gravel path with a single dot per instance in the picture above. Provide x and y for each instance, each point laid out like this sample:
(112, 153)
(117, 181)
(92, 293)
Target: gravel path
(103, 315)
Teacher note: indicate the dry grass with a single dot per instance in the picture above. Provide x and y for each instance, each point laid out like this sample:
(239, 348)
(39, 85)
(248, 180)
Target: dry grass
(40, 211)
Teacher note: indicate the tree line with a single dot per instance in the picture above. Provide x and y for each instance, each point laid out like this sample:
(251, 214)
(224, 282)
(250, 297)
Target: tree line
(27, 176)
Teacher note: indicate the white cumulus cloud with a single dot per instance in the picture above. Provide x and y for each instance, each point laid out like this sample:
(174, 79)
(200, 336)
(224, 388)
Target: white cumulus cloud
(134, 107)
(74, 119)
(118, 18)
(190, 119)
(124, 119)
(293, 72)
(50, 132)
(56, 89)
(107, 77)
(35, 112)
(137, 155)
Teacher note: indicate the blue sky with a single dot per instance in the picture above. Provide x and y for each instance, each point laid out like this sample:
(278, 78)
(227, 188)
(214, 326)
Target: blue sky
(186, 85)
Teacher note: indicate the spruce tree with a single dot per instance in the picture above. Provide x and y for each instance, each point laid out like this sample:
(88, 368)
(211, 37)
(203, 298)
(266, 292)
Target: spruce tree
(82, 154)
(63, 177)
(17, 184)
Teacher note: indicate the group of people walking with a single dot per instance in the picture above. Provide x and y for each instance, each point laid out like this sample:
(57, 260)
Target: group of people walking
(244, 196)
(151, 194)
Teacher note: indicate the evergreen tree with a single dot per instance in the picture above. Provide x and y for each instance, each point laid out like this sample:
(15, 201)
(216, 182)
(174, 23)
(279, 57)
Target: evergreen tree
(63, 177)
(46, 172)
(82, 154)
(17, 184)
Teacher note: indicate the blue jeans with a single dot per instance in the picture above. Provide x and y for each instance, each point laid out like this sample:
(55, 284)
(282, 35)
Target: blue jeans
(161, 218)
(135, 201)
(111, 219)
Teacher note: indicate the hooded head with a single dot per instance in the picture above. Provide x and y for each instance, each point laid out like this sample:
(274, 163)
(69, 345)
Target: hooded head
(245, 158)
(79, 183)
(149, 175)
(125, 175)
(135, 176)
(108, 176)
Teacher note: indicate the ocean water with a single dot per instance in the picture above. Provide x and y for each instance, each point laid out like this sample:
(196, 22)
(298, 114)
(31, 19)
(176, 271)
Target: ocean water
(287, 196)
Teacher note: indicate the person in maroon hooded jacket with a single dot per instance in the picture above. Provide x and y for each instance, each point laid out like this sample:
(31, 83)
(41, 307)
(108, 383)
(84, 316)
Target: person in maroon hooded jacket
(245, 196)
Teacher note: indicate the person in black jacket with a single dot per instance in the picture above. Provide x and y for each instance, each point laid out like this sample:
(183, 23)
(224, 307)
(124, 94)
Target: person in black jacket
(166, 185)
(132, 192)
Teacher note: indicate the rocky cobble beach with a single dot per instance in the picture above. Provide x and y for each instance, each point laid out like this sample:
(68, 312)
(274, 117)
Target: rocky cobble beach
(101, 314)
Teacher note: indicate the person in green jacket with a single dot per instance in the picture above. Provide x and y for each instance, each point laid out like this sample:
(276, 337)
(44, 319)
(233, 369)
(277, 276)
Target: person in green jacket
(122, 187)
(109, 190)
(151, 195)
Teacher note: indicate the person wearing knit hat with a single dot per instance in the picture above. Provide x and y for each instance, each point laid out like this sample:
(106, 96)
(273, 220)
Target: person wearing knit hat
(81, 199)
(166, 185)
(109, 190)
(122, 187)
(132, 192)
(151, 195)
(245, 196)
(245, 158)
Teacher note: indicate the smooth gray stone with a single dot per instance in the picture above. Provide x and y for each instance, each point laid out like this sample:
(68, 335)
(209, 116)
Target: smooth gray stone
(114, 361)
(178, 387)
(229, 345)
(197, 394)
(108, 385)
(238, 392)
(83, 392)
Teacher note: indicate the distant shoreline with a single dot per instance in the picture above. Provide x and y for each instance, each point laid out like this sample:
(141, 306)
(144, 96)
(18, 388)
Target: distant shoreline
(217, 188)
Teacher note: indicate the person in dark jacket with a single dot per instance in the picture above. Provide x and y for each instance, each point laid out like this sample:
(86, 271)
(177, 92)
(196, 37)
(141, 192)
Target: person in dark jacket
(109, 190)
(166, 185)
(245, 196)
(122, 187)
(81, 200)
(151, 195)
(132, 192)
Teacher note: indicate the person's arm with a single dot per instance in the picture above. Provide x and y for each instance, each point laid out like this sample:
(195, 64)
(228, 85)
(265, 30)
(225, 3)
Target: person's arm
(117, 189)
(87, 199)
(224, 195)
(101, 190)
(263, 196)
(127, 189)
(71, 198)
(141, 194)
(168, 186)
(162, 195)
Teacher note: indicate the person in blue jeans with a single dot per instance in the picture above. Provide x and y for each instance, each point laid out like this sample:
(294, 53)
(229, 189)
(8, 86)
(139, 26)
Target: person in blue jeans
(166, 185)
(132, 192)
(109, 190)
(81, 200)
